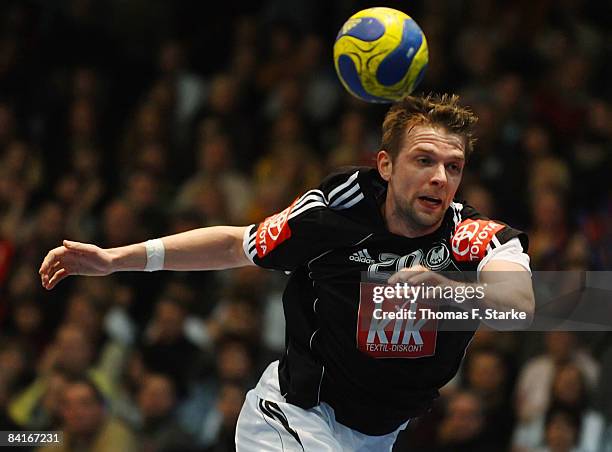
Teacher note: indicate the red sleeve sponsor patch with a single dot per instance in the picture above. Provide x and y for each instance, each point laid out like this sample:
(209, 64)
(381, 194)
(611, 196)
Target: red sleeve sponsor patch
(471, 239)
(273, 231)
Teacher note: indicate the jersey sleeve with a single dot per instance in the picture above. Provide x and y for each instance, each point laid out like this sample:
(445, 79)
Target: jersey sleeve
(310, 226)
(478, 240)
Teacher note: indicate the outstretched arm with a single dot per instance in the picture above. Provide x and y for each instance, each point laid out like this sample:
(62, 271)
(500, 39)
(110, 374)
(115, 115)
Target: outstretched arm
(214, 248)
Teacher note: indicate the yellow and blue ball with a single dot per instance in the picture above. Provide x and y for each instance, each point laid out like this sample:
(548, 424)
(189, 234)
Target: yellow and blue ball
(380, 55)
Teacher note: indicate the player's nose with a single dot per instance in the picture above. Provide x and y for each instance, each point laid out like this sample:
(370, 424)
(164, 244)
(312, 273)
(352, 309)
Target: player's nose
(438, 176)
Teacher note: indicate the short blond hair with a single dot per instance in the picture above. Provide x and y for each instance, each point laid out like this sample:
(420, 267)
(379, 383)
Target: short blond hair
(433, 110)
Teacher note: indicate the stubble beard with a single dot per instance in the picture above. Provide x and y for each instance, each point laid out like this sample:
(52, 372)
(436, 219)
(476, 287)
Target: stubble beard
(407, 212)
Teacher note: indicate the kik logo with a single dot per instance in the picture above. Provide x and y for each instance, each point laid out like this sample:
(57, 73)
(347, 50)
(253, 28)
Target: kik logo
(403, 334)
(404, 331)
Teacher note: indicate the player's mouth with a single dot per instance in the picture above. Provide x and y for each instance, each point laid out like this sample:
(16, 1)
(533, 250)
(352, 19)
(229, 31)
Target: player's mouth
(430, 202)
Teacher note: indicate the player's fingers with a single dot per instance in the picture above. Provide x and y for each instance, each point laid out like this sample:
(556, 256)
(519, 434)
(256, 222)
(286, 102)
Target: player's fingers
(46, 275)
(45, 263)
(61, 256)
(51, 258)
(415, 269)
(60, 261)
(56, 278)
(49, 269)
(407, 275)
(398, 278)
(427, 278)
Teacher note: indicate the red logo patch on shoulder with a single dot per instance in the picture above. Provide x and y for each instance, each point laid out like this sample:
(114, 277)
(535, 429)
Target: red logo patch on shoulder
(471, 239)
(273, 231)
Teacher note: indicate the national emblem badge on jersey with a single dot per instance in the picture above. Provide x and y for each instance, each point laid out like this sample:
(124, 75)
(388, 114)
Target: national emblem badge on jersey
(471, 238)
(273, 231)
(408, 335)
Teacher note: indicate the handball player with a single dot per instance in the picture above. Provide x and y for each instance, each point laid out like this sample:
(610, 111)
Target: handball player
(338, 388)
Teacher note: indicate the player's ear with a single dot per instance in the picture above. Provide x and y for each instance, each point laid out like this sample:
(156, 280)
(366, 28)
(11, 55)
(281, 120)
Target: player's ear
(384, 162)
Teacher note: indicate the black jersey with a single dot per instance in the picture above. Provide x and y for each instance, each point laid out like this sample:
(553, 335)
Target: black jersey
(374, 379)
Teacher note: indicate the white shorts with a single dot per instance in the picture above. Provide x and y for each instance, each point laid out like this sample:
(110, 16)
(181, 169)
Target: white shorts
(268, 423)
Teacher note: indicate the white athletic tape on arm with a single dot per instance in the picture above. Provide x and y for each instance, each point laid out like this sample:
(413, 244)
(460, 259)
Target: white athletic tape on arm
(155, 255)
(511, 251)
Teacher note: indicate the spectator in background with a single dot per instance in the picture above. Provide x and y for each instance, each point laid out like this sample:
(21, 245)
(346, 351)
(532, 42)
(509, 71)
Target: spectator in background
(144, 195)
(562, 102)
(285, 97)
(215, 169)
(205, 412)
(228, 406)
(47, 226)
(277, 65)
(591, 156)
(569, 393)
(6, 423)
(288, 151)
(86, 313)
(578, 254)
(536, 377)
(225, 106)
(87, 84)
(120, 224)
(45, 414)
(148, 127)
(460, 430)
(187, 86)
(547, 171)
(132, 377)
(550, 232)
(79, 190)
(21, 176)
(158, 429)
(354, 146)
(154, 159)
(22, 164)
(14, 364)
(86, 423)
(561, 427)
(165, 348)
(321, 97)
(480, 198)
(235, 360)
(82, 124)
(487, 375)
(22, 284)
(71, 353)
(26, 325)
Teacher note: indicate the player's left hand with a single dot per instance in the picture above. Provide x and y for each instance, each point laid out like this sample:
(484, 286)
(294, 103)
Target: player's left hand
(418, 275)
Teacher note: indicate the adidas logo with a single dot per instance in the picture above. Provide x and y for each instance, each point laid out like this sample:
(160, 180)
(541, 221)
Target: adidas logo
(362, 256)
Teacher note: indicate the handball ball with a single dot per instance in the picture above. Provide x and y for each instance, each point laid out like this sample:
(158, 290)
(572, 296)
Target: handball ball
(380, 55)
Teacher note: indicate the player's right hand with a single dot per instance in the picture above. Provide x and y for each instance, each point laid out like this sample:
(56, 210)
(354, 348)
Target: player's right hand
(74, 258)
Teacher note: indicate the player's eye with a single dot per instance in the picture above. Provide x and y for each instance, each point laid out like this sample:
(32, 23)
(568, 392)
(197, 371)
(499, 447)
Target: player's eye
(424, 161)
(454, 168)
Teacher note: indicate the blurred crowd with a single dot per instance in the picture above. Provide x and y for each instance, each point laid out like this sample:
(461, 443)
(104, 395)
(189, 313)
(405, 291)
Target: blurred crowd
(122, 121)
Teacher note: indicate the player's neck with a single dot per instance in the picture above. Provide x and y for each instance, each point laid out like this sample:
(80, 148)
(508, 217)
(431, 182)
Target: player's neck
(397, 224)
